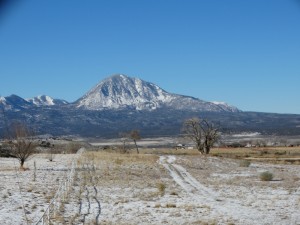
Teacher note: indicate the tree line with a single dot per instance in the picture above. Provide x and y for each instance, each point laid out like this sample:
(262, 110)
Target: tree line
(20, 142)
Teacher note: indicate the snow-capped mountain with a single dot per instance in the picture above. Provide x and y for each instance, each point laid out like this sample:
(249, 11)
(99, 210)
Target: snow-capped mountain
(14, 102)
(120, 91)
(121, 99)
(44, 100)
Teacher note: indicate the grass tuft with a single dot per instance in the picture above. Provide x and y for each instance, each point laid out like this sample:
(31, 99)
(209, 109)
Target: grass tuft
(161, 188)
(266, 176)
(245, 163)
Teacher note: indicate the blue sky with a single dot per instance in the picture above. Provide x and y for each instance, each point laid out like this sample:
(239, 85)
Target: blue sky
(246, 53)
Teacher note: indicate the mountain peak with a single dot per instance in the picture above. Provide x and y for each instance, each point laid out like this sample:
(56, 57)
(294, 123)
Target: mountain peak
(118, 75)
(41, 100)
(44, 100)
(121, 91)
(14, 102)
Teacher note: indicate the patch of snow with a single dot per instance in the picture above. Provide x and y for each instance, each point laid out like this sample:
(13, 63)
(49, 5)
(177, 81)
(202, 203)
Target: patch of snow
(220, 103)
(44, 100)
(251, 134)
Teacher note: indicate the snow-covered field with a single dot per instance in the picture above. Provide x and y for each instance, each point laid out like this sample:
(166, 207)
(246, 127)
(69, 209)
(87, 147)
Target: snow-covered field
(111, 188)
(26, 194)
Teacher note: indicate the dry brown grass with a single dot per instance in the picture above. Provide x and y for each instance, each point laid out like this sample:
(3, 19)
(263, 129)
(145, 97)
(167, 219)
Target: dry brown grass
(113, 169)
(283, 155)
(169, 151)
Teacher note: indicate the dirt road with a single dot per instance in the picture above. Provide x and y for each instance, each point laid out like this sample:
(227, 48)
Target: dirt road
(222, 205)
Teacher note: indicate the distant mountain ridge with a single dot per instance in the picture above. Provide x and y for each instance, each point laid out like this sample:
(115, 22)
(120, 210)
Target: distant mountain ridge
(16, 103)
(121, 92)
(120, 103)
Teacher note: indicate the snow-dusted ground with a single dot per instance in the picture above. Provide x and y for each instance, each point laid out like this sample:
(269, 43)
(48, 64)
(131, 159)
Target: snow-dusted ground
(147, 189)
(25, 196)
(237, 203)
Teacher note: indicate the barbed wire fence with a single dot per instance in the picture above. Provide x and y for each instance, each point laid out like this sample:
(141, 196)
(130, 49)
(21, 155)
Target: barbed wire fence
(61, 193)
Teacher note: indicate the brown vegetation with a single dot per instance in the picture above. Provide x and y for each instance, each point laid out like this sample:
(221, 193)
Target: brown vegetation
(202, 133)
(21, 145)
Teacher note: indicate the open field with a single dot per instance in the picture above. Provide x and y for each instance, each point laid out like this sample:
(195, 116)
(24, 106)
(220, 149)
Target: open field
(26, 194)
(158, 186)
(283, 155)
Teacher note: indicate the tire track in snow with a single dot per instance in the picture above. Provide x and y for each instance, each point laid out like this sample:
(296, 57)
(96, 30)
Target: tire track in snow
(188, 178)
(99, 206)
(231, 208)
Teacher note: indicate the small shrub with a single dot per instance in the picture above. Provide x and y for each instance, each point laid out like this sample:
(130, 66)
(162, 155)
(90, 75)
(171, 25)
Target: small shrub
(266, 176)
(245, 163)
(280, 153)
(173, 193)
(263, 152)
(157, 205)
(118, 161)
(161, 188)
(171, 205)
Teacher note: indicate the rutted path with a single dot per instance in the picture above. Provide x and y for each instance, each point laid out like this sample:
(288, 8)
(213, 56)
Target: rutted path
(91, 207)
(83, 205)
(184, 179)
(221, 207)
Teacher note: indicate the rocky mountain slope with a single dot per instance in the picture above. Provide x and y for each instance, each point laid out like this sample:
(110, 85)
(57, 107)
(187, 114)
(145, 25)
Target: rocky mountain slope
(120, 91)
(14, 103)
(44, 100)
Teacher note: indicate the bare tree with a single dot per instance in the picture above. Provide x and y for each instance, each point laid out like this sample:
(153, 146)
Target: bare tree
(124, 138)
(202, 133)
(211, 135)
(51, 152)
(135, 136)
(21, 144)
(193, 131)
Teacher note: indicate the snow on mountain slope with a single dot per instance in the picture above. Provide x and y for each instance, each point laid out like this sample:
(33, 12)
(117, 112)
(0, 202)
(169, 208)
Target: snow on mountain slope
(3, 102)
(226, 106)
(120, 91)
(14, 102)
(44, 100)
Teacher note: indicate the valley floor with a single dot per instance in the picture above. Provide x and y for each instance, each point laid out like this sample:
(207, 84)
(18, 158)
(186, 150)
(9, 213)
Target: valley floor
(112, 188)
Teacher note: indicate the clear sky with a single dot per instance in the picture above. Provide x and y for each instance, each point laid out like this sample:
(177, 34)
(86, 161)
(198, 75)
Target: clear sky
(244, 52)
